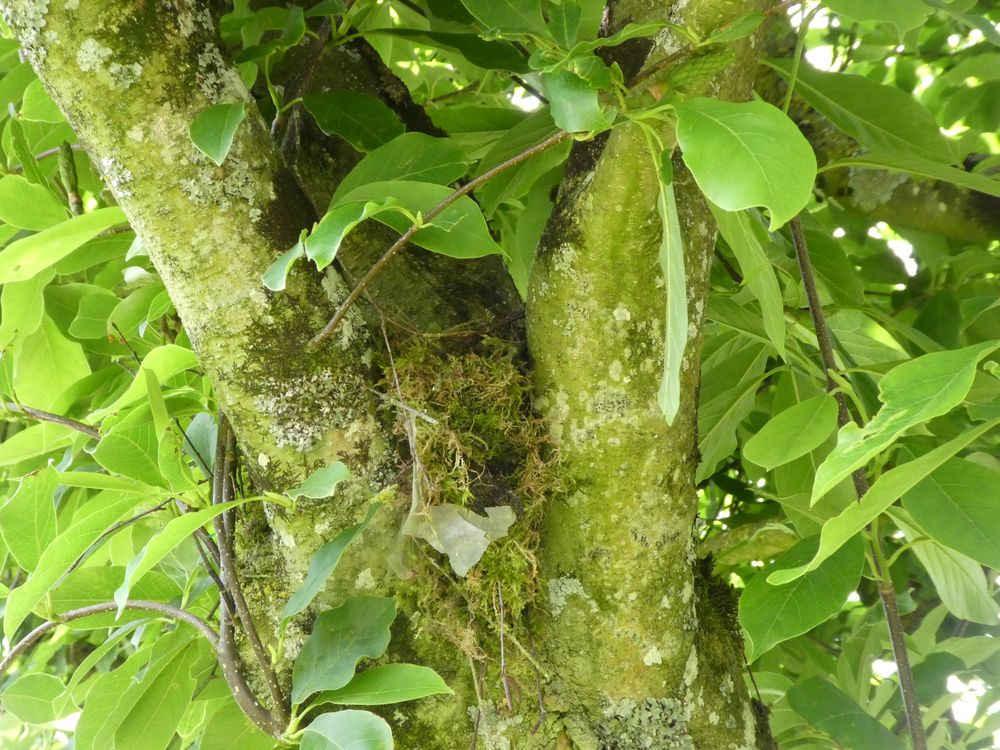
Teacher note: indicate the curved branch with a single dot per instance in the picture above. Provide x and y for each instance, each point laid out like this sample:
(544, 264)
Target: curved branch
(45, 416)
(158, 608)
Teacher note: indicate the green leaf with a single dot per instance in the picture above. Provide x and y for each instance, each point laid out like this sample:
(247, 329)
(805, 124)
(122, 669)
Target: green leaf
(229, 729)
(886, 490)
(575, 106)
(340, 638)
(46, 364)
(740, 29)
(921, 168)
(164, 542)
(152, 721)
(165, 362)
(390, 683)
(347, 730)
(276, 275)
(880, 117)
(564, 23)
(32, 698)
(321, 483)
(825, 707)
(903, 15)
(459, 231)
(29, 206)
(772, 614)
(363, 121)
(34, 441)
(509, 16)
(958, 580)
(96, 584)
(24, 258)
(794, 432)
(746, 154)
(959, 506)
(671, 259)
(23, 305)
(322, 565)
(131, 450)
(912, 393)
(213, 129)
(738, 230)
(28, 518)
(324, 240)
(92, 520)
(91, 321)
(489, 54)
(410, 156)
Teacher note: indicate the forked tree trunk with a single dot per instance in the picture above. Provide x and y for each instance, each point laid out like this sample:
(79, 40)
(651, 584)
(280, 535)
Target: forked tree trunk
(629, 645)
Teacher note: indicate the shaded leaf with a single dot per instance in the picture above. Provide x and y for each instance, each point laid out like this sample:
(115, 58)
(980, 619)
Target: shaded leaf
(213, 129)
(390, 683)
(347, 730)
(363, 121)
(793, 433)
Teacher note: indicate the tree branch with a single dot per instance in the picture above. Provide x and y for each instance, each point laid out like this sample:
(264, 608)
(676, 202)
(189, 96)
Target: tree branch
(405, 238)
(44, 416)
(886, 591)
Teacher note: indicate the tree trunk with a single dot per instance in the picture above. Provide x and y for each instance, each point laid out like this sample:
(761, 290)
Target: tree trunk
(627, 644)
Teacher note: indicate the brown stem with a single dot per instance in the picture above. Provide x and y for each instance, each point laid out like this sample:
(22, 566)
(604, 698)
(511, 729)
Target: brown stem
(159, 608)
(887, 593)
(44, 416)
(224, 459)
(405, 238)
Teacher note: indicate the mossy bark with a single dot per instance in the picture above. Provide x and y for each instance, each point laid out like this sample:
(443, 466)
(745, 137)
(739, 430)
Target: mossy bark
(633, 648)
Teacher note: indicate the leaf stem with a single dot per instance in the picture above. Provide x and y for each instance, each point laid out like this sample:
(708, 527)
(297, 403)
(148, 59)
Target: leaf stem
(44, 416)
(405, 238)
(886, 591)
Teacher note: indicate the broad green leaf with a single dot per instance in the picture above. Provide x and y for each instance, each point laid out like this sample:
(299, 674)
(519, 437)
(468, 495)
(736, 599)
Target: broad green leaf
(671, 260)
(958, 580)
(921, 168)
(363, 121)
(912, 393)
(959, 506)
(324, 240)
(459, 231)
(23, 305)
(88, 523)
(575, 106)
(390, 683)
(880, 117)
(28, 206)
(13, 84)
(132, 451)
(489, 54)
(229, 729)
(37, 105)
(164, 542)
(793, 433)
(347, 730)
(321, 483)
(165, 362)
(509, 16)
(35, 441)
(46, 364)
(91, 321)
(28, 518)
(460, 533)
(24, 258)
(905, 16)
(564, 23)
(410, 156)
(340, 638)
(746, 154)
(827, 708)
(151, 723)
(322, 565)
(96, 481)
(276, 275)
(758, 273)
(886, 490)
(213, 129)
(772, 614)
(33, 698)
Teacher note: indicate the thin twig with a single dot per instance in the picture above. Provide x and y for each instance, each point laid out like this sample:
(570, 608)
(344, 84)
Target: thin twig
(44, 416)
(887, 593)
(17, 168)
(220, 494)
(100, 540)
(503, 661)
(404, 240)
(96, 609)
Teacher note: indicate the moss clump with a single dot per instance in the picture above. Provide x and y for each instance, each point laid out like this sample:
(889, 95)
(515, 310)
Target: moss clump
(476, 444)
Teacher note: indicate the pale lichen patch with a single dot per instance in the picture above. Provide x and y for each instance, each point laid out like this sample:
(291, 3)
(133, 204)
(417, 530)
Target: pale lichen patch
(561, 589)
(92, 55)
(652, 657)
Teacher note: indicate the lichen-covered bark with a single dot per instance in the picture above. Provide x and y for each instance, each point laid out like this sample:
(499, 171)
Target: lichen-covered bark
(618, 551)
